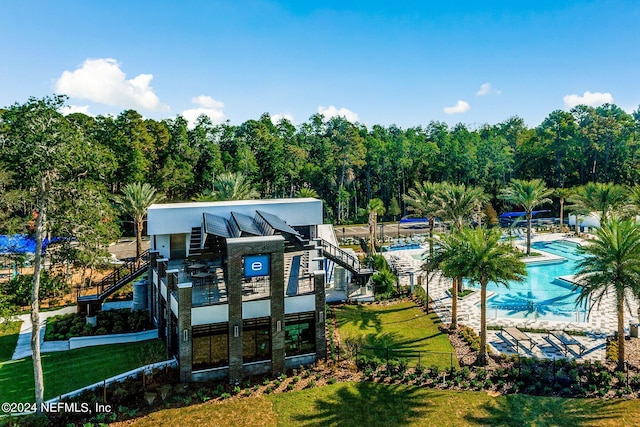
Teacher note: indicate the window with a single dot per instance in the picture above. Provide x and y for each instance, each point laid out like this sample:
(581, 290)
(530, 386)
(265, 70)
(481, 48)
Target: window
(210, 346)
(299, 334)
(256, 340)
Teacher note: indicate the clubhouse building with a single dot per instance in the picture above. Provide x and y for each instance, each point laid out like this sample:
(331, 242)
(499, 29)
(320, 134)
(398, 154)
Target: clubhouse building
(238, 288)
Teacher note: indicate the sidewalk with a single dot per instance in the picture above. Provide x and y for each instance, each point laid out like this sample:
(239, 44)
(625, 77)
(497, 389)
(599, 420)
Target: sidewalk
(23, 348)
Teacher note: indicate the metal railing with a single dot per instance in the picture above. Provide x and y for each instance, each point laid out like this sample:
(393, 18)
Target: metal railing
(123, 274)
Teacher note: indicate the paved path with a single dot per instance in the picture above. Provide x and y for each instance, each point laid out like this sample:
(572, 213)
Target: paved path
(23, 348)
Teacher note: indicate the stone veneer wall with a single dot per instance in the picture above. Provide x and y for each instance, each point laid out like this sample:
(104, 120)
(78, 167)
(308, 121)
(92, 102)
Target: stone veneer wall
(237, 248)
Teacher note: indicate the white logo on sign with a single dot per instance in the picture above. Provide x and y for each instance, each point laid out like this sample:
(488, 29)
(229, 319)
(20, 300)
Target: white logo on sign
(256, 266)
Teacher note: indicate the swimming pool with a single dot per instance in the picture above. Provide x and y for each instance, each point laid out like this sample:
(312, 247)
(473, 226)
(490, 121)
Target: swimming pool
(543, 295)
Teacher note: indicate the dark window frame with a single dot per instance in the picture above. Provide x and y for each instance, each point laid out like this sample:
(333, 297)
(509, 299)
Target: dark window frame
(213, 332)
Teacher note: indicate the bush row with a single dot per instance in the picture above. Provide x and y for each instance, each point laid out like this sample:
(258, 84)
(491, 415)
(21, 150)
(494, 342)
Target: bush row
(65, 326)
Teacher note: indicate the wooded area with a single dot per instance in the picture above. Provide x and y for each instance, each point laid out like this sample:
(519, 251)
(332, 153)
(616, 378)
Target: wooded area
(346, 164)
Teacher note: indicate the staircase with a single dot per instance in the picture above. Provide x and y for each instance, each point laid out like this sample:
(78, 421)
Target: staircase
(195, 245)
(125, 273)
(344, 259)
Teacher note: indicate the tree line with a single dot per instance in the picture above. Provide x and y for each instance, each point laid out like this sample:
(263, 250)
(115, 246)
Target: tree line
(346, 164)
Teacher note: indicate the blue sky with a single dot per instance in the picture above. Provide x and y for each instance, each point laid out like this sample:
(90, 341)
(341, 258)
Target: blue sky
(377, 62)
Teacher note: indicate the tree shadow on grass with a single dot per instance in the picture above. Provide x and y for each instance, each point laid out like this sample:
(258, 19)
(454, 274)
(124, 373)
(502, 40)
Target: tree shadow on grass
(368, 404)
(359, 316)
(523, 410)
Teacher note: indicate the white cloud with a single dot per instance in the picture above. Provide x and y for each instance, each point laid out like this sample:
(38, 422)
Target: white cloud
(70, 109)
(332, 111)
(592, 99)
(275, 119)
(102, 81)
(207, 106)
(460, 107)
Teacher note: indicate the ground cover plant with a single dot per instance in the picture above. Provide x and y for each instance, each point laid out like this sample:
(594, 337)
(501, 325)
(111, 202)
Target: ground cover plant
(66, 371)
(401, 330)
(65, 326)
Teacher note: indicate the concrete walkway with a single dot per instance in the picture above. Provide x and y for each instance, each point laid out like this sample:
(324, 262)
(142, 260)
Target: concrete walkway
(23, 348)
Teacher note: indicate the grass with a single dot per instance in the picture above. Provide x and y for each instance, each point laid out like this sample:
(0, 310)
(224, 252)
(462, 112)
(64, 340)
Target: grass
(8, 339)
(403, 327)
(66, 371)
(374, 404)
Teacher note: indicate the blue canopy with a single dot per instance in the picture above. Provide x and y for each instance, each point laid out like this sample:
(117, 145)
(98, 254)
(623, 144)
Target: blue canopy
(20, 244)
(407, 219)
(517, 214)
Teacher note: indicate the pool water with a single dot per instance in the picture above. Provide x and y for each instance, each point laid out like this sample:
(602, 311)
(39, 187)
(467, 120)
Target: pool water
(543, 295)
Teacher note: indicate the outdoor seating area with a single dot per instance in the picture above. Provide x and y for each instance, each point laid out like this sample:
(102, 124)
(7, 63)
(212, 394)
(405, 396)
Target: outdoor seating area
(403, 243)
(517, 338)
(565, 342)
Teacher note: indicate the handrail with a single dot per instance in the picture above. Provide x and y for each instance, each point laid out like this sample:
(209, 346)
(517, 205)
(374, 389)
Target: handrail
(116, 279)
(342, 258)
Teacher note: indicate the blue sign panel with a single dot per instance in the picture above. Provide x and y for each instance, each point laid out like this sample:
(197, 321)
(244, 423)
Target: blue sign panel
(256, 265)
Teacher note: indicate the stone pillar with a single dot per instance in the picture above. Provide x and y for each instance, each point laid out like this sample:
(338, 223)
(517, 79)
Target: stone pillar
(172, 283)
(185, 346)
(153, 263)
(234, 294)
(237, 248)
(321, 315)
(277, 310)
(162, 264)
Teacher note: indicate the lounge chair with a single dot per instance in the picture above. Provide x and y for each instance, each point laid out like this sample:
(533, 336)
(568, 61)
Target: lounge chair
(519, 337)
(566, 342)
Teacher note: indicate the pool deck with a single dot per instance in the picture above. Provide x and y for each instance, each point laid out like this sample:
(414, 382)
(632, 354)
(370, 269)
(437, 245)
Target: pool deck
(602, 320)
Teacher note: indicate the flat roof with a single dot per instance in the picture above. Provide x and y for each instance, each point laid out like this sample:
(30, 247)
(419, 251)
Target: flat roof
(173, 218)
(231, 203)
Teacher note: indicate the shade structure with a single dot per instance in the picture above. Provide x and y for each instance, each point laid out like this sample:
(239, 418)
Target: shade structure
(518, 214)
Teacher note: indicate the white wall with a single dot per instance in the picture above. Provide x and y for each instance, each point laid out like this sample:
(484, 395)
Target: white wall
(255, 309)
(176, 218)
(79, 342)
(592, 220)
(162, 245)
(299, 304)
(209, 314)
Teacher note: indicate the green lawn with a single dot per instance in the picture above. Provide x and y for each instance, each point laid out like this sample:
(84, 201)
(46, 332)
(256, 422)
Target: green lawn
(404, 328)
(66, 371)
(373, 404)
(8, 339)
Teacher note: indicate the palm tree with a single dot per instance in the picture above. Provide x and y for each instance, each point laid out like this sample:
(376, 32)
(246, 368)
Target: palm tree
(603, 198)
(306, 192)
(458, 203)
(612, 264)
(529, 195)
(562, 194)
(422, 202)
(135, 200)
(634, 200)
(229, 186)
(442, 256)
(479, 255)
(374, 208)
(486, 259)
